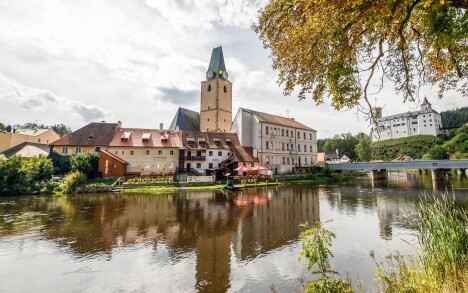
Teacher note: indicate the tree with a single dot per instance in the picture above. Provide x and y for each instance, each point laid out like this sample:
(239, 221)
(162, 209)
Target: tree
(87, 163)
(61, 129)
(437, 152)
(341, 48)
(363, 148)
(454, 118)
(345, 143)
(2, 127)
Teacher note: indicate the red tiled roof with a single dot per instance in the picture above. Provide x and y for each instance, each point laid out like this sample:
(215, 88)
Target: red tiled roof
(93, 134)
(153, 138)
(209, 139)
(115, 157)
(243, 154)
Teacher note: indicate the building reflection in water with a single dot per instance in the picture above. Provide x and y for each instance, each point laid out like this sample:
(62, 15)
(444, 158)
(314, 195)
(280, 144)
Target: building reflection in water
(210, 223)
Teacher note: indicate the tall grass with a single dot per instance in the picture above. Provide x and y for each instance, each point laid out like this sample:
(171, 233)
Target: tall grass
(441, 265)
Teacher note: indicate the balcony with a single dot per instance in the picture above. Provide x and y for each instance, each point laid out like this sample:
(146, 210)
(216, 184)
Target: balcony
(195, 158)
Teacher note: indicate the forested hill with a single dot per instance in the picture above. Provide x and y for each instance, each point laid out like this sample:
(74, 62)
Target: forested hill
(454, 118)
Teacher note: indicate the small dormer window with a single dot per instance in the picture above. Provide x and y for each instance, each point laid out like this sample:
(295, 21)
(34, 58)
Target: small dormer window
(146, 136)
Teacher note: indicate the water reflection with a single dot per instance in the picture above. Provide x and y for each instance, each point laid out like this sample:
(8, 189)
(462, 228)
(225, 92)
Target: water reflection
(215, 242)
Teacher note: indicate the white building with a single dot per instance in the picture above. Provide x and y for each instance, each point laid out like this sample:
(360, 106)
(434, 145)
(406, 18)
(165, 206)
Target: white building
(281, 143)
(423, 122)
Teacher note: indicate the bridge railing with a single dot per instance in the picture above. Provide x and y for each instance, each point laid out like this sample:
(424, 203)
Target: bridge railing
(431, 164)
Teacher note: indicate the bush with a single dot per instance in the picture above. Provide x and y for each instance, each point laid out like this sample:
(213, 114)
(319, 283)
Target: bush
(71, 181)
(87, 163)
(436, 153)
(61, 163)
(19, 176)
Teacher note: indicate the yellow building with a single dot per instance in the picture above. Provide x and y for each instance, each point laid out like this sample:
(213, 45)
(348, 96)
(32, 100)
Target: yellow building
(15, 137)
(142, 151)
(216, 96)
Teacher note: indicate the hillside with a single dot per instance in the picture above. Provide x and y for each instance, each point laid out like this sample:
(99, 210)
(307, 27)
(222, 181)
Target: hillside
(413, 146)
(454, 118)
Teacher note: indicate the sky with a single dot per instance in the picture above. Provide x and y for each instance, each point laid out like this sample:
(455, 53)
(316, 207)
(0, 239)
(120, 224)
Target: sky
(80, 61)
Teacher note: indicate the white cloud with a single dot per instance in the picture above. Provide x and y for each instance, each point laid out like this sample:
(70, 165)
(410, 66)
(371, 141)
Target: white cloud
(43, 101)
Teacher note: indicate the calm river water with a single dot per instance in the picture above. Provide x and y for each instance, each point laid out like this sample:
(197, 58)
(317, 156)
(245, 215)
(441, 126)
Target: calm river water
(201, 240)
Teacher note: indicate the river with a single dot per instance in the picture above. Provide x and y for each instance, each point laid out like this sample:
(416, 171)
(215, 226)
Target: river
(204, 241)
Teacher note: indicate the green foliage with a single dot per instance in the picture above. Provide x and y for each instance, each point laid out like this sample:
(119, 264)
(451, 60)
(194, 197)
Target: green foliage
(61, 163)
(459, 143)
(2, 127)
(150, 180)
(454, 118)
(71, 181)
(437, 152)
(86, 163)
(25, 176)
(413, 146)
(363, 148)
(316, 249)
(345, 143)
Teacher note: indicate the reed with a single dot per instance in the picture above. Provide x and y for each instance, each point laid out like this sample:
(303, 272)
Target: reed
(441, 264)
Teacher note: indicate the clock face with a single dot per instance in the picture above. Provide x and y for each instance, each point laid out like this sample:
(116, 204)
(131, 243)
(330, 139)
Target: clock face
(225, 75)
(209, 74)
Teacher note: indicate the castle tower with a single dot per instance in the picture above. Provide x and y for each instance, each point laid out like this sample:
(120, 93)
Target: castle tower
(216, 96)
(426, 105)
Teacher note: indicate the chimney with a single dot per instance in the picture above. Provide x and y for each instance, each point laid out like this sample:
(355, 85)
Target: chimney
(8, 129)
(161, 127)
(119, 124)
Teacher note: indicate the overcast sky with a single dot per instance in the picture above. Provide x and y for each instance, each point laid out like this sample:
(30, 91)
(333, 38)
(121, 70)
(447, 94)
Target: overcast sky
(79, 61)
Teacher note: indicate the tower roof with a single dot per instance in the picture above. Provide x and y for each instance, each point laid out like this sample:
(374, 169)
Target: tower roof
(217, 62)
(186, 120)
(425, 102)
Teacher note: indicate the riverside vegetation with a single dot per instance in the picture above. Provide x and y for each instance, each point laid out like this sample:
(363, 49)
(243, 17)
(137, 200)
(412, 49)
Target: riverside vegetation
(441, 264)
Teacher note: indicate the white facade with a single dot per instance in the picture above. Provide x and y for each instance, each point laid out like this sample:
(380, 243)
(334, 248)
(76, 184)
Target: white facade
(423, 122)
(201, 160)
(281, 144)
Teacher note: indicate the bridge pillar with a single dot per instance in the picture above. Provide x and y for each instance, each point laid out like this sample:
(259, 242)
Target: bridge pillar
(437, 174)
(378, 174)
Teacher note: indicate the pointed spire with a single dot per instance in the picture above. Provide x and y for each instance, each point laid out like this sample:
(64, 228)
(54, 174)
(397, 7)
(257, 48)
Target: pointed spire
(425, 101)
(217, 66)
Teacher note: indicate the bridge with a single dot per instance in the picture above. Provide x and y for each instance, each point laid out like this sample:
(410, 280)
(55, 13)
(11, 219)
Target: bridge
(378, 170)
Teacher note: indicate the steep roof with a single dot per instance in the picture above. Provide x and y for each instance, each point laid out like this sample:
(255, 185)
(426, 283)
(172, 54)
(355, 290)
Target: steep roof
(28, 150)
(93, 134)
(425, 101)
(217, 62)
(209, 140)
(278, 120)
(407, 114)
(186, 120)
(243, 154)
(149, 138)
(31, 132)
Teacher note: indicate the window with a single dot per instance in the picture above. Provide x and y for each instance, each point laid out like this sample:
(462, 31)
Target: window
(116, 152)
(414, 129)
(430, 120)
(282, 132)
(210, 153)
(430, 125)
(209, 87)
(39, 140)
(78, 150)
(298, 135)
(159, 152)
(292, 147)
(97, 149)
(171, 153)
(288, 160)
(304, 136)
(208, 119)
(210, 165)
(225, 89)
(282, 146)
(298, 147)
(311, 149)
(132, 153)
(267, 145)
(198, 165)
(267, 130)
(287, 133)
(220, 153)
(284, 160)
(64, 150)
(123, 152)
(147, 152)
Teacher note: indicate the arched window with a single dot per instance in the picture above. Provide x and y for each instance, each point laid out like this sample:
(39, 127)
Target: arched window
(225, 89)
(209, 87)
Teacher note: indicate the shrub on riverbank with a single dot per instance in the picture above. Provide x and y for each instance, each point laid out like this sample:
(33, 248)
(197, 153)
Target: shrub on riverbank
(20, 176)
(71, 182)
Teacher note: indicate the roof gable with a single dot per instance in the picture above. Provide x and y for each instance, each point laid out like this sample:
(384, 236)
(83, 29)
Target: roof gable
(93, 134)
(278, 120)
(186, 120)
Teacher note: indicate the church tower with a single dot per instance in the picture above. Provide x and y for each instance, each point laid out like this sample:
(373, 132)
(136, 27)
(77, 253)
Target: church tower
(216, 96)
